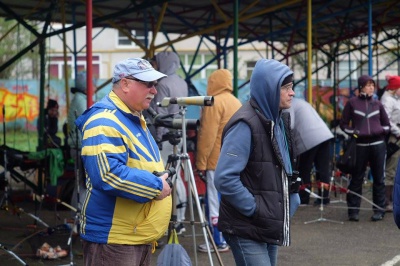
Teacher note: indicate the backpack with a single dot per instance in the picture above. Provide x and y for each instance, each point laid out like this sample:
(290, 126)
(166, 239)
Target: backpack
(173, 254)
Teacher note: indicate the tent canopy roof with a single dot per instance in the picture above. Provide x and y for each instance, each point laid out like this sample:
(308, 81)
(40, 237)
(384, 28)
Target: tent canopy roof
(279, 20)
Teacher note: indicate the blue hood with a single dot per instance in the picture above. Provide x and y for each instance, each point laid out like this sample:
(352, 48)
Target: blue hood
(265, 86)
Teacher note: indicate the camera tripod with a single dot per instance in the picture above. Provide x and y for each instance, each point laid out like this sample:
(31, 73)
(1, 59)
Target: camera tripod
(321, 208)
(4, 206)
(5, 198)
(78, 175)
(182, 162)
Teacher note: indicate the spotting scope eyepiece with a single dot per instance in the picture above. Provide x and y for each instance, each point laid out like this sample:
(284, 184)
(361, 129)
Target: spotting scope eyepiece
(184, 101)
(170, 122)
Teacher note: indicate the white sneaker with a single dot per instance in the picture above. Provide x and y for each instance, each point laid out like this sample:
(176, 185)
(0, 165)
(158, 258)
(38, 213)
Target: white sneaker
(221, 248)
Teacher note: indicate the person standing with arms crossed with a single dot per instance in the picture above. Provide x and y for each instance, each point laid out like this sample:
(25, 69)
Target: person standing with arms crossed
(127, 207)
(254, 171)
(212, 122)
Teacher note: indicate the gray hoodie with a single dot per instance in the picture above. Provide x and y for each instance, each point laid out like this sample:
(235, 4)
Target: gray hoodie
(170, 86)
(309, 129)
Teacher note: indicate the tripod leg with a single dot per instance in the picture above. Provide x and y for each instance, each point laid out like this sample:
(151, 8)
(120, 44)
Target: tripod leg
(189, 176)
(321, 209)
(215, 247)
(4, 199)
(174, 219)
(173, 160)
(13, 254)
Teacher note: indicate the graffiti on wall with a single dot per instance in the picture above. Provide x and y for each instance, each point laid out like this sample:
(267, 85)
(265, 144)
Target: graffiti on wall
(21, 101)
(18, 106)
(325, 99)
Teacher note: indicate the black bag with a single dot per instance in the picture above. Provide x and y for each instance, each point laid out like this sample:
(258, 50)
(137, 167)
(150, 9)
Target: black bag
(391, 149)
(347, 161)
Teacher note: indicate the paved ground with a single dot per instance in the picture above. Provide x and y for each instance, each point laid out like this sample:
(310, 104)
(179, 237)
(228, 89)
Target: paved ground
(321, 242)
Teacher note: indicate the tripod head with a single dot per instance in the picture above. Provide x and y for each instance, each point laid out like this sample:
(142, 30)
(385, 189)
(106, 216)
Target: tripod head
(171, 172)
(174, 137)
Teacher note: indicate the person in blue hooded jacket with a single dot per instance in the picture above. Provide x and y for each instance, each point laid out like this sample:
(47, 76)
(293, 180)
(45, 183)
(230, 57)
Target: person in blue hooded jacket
(254, 171)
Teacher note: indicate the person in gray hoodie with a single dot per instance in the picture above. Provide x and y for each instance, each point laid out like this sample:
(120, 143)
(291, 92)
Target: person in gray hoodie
(312, 140)
(171, 86)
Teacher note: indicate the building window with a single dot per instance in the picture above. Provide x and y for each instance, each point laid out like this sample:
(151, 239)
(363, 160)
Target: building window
(250, 67)
(345, 67)
(199, 62)
(364, 69)
(56, 66)
(125, 42)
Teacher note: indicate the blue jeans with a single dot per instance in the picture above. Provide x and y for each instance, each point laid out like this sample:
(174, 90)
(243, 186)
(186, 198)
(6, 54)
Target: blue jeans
(248, 252)
(294, 200)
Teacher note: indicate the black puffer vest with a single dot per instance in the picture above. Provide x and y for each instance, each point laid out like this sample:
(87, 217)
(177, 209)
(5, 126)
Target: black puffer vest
(264, 178)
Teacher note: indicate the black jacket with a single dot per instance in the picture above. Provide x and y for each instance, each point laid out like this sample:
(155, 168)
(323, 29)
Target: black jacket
(265, 179)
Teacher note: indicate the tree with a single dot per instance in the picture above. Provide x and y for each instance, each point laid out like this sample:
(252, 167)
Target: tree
(14, 37)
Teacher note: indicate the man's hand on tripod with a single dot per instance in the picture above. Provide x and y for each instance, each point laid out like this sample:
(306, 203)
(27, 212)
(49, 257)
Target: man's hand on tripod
(166, 191)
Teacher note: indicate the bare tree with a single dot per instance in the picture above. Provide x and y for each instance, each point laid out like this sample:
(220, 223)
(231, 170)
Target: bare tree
(14, 37)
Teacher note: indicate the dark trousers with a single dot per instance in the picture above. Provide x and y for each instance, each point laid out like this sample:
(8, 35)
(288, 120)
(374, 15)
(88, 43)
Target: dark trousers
(319, 157)
(374, 155)
(95, 254)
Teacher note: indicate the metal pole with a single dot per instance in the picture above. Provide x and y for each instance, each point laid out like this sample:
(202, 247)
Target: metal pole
(235, 50)
(309, 48)
(65, 54)
(89, 67)
(370, 38)
(74, 43)
(42, 49)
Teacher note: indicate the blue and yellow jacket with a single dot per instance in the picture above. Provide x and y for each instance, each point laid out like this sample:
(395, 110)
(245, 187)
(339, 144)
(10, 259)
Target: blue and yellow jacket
(119, 156)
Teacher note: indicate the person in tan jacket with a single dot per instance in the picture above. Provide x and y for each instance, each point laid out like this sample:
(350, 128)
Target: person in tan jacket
(212, 122)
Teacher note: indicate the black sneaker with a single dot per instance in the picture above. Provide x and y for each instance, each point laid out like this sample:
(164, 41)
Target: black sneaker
(180, 228)
(354, 217)
(377, 216)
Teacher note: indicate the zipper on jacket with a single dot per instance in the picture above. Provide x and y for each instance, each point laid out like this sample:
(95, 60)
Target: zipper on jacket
(367, 118)
(151, 144)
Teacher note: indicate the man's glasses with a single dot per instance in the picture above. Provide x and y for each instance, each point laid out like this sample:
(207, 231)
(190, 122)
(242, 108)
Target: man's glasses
(149, 84)
(287, 87)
